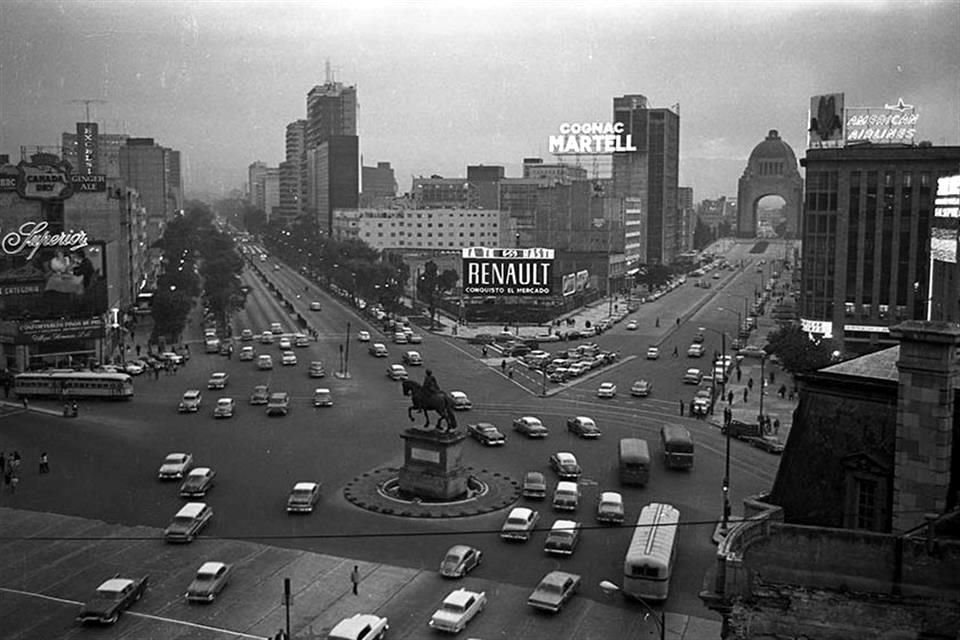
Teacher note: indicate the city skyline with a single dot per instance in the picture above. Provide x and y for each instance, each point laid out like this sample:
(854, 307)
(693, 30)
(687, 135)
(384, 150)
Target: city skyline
(441, 87)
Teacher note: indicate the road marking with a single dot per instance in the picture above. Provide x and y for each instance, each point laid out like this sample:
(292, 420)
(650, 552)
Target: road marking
(195, 625)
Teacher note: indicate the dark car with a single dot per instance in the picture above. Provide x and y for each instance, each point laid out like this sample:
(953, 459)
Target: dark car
(111, 599)
(482, 338)
(459, 560)
(210, 580)
(565, 464)
(584, 427)
(534, 485)
(486, 433)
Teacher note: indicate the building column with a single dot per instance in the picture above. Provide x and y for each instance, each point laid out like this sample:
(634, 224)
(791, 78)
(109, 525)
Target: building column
(929, 373)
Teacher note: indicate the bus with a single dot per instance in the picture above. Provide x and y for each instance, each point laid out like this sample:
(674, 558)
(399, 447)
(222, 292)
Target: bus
(651, 554)
(73, 384)
(677, 446)
(634, 461)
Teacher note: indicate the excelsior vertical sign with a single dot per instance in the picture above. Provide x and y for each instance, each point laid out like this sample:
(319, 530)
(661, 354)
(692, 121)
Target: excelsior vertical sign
(87, 148)
(513, 272)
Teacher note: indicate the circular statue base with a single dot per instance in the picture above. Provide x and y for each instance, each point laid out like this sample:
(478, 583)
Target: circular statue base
(379, 491)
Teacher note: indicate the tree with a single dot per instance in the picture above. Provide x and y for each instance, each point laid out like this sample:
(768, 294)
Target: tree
(655, 275)
(169, 311)
(433, 285)
(702, 235)
(798, 353)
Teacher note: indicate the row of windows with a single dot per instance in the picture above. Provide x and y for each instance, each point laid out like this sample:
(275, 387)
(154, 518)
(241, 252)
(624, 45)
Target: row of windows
(393, 234)
(439, 224)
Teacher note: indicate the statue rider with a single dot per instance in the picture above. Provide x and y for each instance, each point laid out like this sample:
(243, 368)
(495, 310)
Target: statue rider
(430, 386)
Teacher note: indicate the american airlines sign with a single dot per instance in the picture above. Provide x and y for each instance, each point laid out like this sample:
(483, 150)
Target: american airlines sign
(491, 271)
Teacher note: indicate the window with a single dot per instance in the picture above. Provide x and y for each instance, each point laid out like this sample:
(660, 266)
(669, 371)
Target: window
(866, 503)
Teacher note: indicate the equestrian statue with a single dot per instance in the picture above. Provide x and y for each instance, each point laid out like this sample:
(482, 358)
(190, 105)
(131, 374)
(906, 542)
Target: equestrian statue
(430, 397)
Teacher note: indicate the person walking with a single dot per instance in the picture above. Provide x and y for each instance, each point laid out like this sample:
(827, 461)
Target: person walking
(483, 350)
(745, 392)
(44, 463)
(355, 579)
(772, 377)
(26, 405)
(776, 426)
(14, 481)
(681, 408)
(739, 373)
(750, 384)
(676, 353)
(730, 397)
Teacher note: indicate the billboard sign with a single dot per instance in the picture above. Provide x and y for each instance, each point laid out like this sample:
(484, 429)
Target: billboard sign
(569, 284)
(489, 271)
(36, 331)
(946, 218)
(583, 279)
(87, 148)
(890, 124)
(826, 121)
(591, 138)
(46, 177)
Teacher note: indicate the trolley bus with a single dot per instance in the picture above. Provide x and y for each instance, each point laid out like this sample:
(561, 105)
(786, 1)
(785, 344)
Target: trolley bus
(650, 556)
(73, 384)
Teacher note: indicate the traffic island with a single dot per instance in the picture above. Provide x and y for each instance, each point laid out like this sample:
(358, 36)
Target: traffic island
(379, 491)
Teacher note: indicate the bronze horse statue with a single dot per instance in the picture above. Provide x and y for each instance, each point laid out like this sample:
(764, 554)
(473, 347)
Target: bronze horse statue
(439, 402)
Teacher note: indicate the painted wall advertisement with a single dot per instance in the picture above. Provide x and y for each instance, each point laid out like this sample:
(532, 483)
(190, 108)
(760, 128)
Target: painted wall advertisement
(489, 271)
(39, 331)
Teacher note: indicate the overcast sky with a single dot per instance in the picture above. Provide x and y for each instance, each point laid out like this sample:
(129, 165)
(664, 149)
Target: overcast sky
(445, 84)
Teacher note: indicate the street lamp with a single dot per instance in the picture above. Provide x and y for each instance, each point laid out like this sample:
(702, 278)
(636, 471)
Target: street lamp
(660, 619)
(725, 487)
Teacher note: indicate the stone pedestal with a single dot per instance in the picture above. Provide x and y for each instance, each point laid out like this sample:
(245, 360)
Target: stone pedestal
(433, 464)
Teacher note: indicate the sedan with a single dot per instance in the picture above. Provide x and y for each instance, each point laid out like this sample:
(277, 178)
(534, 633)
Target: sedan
(519, 524)
(134, 368)
(303, 497)
(460, 560)
(632, 325)
(175, 466)
(692, 376)
(111, 599)
(397, 372)
(562, 538)
(752, 351)
(531, 427)
(315, 306)
(554, 590)
(210, 580)
(247, 353)
(218, 380)
(461, 402)
(584, 427)
(534, 486)
(486, 433)
(288, 358)
(653, 353)
(363, 336)
(224, 408)
(197, 482)
(414, 338)
(190, 403)
(641, 388)
(266, 338)
(246, 335)
(285, 344)
(322, 397)
(610, 508)
(565, 464)
(260, 395)
(457, 610)
(607, 390)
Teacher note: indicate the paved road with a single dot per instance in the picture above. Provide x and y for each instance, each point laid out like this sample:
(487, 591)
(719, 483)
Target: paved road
(104, 461)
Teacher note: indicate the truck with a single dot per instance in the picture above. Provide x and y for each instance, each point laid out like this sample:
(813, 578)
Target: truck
(742, 430)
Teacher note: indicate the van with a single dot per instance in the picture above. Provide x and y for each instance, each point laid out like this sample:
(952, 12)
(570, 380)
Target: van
(188, 522)
(566, 497)
(634, 461)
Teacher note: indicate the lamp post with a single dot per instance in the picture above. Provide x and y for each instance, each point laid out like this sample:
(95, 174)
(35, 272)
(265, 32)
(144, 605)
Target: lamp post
(725, 487)
(660, 619)
(763, 361)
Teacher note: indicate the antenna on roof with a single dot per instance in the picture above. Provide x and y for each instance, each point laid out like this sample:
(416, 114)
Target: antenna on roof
(87, 102)
(328, 72)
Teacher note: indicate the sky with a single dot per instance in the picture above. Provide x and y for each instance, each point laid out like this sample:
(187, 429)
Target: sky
(443, 85)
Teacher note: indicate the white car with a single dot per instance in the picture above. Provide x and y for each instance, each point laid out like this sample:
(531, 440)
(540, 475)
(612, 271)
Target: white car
(288, 358)
(218, 380)
(285, 344)
(264, 362)
(414, 338)
(247, 353)
(653, 353)
(632, 325)
(610, 507)
(224, 408)
(362, 626)
(363, 336)
(519, 524)
(175, 466)
(460, 401)
(458, 609)
(315, 306)
(607, 390)
(397, 372)
(134, 368)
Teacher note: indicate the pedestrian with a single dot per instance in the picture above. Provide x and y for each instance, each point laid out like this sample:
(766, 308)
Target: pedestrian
(657, 324)
(355, 579)
(727, 416)
(782, 391)
(750, 384)
(745, 391)
(3, 462)
(681, 408)
(730, 397)
(692, 412)
(503, 366)
(14, 481)
(483, 350)
(510, 373)
(790, 396)
(776, 426)
(44, 463)
(138, 351)
(26, 405)
(678, 322)
(739, 373)
(771, 377)
(676, 353)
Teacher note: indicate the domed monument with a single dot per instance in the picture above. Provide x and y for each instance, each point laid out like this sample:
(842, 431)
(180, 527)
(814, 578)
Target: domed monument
(771, 171)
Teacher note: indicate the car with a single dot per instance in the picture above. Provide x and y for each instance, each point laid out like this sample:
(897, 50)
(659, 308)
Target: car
(519, 524)
(303, 497)
(210, 580)
(188, 522)
(224, 408)
(288, 358)
(460, 560)
(190, 403)
(632, 325)
(278, 404)
(554, 590)
(610, 508)
(276, 328)
(400, 338)
(246, 335)
(414, 338)
(266, 338)
(770, 444)
(698, 338)
(486, 433)
(566, 496)
(715, 276)
(560, 374)
(378, 350)
(534, 486)
(482, 338)
(397, 372)
(531, 427)
(692, 376)
(172, 357)
(285, 343)
(218, 380)
(363, 336)
(361, 626)
(412, 358)
(565, 464)
(588, 332)
(316, 369)
(696, 350)
(247, 353)
(134, 368)
(264, 362)
(260, 395)
(653, 353)
(607, 390)
(301, 340)
(562, 538)
(197, 482)
(461, 402)
(175, 466)
(752, 351)
(322, 397)
(315, 306)
(112, 597)
(584, 427)
(641, 388)
(457, 610)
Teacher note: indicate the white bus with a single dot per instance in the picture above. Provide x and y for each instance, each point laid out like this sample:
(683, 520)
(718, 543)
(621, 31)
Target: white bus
(73, 384)
(652, 550)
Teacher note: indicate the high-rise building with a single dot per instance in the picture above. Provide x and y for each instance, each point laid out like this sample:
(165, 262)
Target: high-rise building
(379, 185)
(333, 178)
(154, 171)
(866, 233)
(331, 111)
(256, 173)
(293, 172)
(558, 171)
(107, 152)
(651, 172)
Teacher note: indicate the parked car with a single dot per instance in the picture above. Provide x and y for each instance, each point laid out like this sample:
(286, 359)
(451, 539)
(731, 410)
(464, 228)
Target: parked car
(531, 427)
(457, 610)
(210, 580)
(554, 590)
(486, 433)
(460, 560)
(112, 598)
